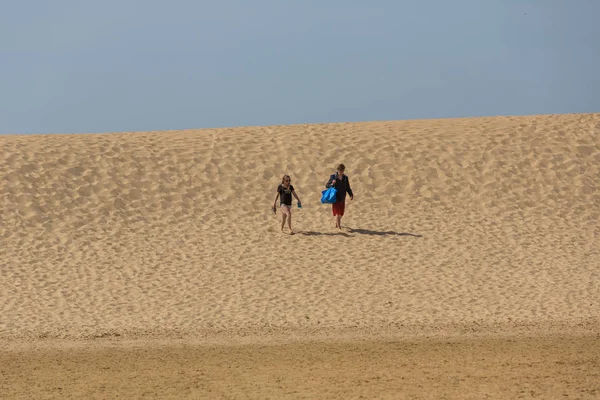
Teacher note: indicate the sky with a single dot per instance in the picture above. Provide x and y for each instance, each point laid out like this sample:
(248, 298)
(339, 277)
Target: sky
(72, 66)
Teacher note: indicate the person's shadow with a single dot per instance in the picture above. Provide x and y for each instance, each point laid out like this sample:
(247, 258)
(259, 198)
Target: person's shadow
(360, 232)
(313, 233)
(381, 233)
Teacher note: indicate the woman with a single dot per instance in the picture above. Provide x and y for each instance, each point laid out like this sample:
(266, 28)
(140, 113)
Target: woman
(285, 191)
(341, 182)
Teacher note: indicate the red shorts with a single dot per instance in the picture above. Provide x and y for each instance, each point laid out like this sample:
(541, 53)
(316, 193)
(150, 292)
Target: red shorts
(338, 208)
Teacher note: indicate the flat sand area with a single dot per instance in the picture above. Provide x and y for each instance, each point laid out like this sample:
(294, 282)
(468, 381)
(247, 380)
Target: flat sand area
(502, 368)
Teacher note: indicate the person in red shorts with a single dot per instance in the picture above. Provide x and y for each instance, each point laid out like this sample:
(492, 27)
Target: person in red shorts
(341, 182)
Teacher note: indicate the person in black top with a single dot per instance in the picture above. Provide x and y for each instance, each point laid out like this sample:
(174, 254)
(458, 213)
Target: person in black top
(285, 191)
(341, 182)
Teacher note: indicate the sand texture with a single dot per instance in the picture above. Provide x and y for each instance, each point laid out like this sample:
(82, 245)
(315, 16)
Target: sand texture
(458, 227)
(493, 368)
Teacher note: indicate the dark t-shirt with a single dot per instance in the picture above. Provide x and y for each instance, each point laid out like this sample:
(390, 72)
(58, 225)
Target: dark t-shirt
(285, 194)
(342, 186)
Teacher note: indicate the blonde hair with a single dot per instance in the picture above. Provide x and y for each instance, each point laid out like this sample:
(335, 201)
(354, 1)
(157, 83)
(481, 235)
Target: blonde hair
(284, 178)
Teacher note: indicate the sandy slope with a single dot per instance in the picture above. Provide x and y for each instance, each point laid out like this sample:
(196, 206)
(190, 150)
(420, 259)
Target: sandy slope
(454, 221)
(458, 226)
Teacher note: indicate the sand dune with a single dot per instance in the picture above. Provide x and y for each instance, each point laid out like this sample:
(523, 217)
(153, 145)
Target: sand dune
(458, 222)
(149, 263)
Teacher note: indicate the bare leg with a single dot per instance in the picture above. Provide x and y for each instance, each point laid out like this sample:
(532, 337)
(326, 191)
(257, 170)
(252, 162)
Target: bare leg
(283, 218)
(290, 223)
(338, 221)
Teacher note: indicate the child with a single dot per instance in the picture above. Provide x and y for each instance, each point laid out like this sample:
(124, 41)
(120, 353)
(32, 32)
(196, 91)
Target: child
(285, 191)
(341, 182)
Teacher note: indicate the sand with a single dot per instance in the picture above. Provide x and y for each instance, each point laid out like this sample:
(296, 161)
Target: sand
(544, 368)
(476, 229)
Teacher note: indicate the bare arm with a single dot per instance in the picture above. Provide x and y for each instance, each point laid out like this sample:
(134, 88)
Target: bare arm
(296, 196)
(275, 202)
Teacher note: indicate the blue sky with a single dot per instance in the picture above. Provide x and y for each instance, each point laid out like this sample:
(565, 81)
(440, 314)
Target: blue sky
(108, 66)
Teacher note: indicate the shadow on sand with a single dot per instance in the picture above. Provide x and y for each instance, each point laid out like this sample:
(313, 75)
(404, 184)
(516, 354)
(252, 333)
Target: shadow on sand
(360, 232)
(381, 233)
(313, 233)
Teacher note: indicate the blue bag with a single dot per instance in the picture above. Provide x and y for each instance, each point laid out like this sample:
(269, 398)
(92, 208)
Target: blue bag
(329, 195)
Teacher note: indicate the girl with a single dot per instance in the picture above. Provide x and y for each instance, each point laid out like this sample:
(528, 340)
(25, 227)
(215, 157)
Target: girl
(285, 191)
